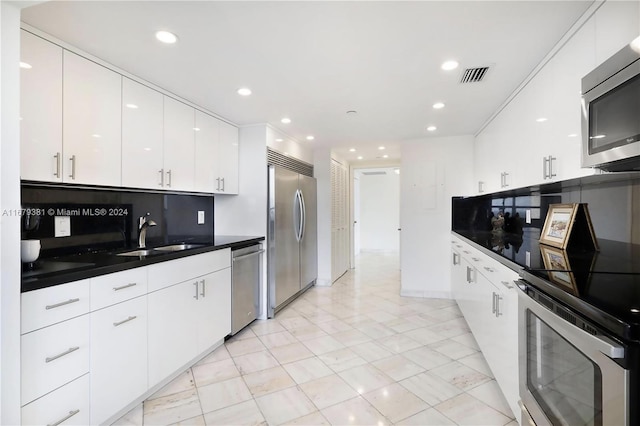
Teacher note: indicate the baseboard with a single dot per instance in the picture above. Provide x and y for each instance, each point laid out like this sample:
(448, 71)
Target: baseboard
(427, 294)
(323, 283)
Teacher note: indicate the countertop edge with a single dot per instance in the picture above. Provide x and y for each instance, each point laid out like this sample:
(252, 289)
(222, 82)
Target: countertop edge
(493, 255)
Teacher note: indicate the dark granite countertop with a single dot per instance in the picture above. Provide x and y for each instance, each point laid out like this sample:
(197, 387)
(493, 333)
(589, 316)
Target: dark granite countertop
(59, 270)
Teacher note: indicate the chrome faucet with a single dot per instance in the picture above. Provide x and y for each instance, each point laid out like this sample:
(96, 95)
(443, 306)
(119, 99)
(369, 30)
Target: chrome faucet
(143, 224)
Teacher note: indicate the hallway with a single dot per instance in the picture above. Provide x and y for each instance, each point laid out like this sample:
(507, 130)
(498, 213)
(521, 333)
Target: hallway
(353, 353)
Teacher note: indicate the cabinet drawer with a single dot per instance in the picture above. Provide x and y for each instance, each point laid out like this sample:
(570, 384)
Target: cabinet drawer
(54, 356)
(51, 305)
(110, 289)
(164, 274)
(68, 405)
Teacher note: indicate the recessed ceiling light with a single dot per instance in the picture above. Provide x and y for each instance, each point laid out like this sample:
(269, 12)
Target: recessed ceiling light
(147, 149)
(438, 105)
(95, 135)
(197, 129)
(310, 138)
(450, 65)
(360, 157)
(286, 120)
(431, 128)
(166, 37)
(381, 148)
(541, 119)
(244, 91)
(385, 156)
(132, 106)
(572, 135)
(352, 111)
(25, 65)
(352, 150)
(635, 310)
(279, 140)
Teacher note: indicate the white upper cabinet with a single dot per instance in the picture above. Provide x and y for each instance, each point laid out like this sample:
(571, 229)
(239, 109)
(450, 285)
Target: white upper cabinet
(228, 159)
(40, 109)
(142, 126)
(91, 122)
(179, 145)
(207, 163)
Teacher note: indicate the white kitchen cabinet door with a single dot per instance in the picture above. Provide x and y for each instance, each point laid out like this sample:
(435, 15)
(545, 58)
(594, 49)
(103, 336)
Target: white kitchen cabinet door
(68, 405)
(92, 122)
(142, 133)
(118, 357)
(207, 173)
(228, 159)
(40, 109)
(173, 329)
(214, 308)
(179, 145)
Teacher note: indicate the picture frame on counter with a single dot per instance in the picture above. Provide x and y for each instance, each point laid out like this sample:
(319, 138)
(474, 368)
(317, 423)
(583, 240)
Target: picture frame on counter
(569, 226)
(556, 262)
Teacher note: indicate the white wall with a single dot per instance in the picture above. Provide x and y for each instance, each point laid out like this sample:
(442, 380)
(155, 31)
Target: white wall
(9, 224)
(322, 173)
(380, 211)
(432, 171)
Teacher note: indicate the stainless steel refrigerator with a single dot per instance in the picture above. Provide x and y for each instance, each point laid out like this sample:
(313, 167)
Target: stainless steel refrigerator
(292, 254)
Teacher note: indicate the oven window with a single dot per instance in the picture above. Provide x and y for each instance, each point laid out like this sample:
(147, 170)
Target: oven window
(614, 118)
(566, 383)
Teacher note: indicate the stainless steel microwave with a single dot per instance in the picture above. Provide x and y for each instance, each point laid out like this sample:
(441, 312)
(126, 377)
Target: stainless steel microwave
(611, 112)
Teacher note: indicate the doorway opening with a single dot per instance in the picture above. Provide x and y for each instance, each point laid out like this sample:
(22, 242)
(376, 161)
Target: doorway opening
(376, 211)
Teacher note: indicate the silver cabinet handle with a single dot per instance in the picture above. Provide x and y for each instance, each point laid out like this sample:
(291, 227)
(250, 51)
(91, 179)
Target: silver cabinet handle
(551, 160)
(65, 418)
(466, 252)
(505, 179)
(196, 284)
(468, 275)
(493, 305)
(506, 284)
(131, 318)
(218, 187)
(475, 259)
(456, 258)
(253, 253)
(57, 158)
(222, 180)
(57, 305)
(124, 286)
(73, 167)
(486, 268)
(480, 186)
(169, 178)
(545, 168)
(161, 171)
(203, 291)
(67, 352)
(498, 299)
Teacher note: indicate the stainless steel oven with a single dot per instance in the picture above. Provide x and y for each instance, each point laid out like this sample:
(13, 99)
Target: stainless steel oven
(611, 112)
(570, 370)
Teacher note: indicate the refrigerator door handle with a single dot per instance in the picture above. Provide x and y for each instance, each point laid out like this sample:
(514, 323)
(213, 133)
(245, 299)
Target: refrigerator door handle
(297, 214)
(303, 210)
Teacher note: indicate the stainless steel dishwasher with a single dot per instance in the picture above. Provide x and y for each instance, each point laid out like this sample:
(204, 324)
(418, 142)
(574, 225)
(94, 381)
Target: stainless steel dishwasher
(245, 285)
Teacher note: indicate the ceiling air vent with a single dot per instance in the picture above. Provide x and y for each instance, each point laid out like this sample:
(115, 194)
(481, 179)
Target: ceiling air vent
(473, 75)
(374, 173)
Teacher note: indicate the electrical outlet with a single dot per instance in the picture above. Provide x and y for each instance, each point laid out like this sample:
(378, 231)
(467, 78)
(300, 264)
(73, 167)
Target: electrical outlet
(528, 216)
(62, 226)
(200, 217)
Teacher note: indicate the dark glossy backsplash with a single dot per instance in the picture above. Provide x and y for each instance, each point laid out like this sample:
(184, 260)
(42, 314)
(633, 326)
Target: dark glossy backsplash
(102, 219)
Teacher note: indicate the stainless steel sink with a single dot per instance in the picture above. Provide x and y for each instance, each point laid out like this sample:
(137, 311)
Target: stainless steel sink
(137, 253)
(178, 247)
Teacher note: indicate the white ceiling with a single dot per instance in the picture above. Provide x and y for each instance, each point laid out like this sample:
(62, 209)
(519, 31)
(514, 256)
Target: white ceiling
(313, 61)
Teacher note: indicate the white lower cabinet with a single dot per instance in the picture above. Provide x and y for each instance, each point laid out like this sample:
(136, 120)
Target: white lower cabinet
(172, 333)
(214, 309)
(118, 357)
(68, 405)
(488, 299)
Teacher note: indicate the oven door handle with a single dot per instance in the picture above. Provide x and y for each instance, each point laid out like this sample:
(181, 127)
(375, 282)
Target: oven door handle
(571, 333)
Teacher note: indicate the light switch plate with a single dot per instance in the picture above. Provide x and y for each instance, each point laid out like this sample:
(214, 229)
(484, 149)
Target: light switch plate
(200, 217)
(528, 216)
(62, 226)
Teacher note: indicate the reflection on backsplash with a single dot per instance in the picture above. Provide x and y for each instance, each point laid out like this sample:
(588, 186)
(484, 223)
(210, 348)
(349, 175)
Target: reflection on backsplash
(73, 220)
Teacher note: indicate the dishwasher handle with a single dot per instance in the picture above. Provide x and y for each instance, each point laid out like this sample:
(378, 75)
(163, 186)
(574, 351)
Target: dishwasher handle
(253, 253)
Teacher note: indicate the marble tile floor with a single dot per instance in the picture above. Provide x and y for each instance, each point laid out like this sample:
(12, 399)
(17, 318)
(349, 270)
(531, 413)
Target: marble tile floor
(355, 353)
